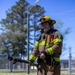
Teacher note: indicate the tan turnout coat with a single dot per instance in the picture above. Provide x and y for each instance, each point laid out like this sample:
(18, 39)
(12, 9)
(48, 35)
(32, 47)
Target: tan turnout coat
(43, 68)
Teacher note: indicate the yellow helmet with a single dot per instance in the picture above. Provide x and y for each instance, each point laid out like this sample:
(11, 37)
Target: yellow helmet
(47, 19)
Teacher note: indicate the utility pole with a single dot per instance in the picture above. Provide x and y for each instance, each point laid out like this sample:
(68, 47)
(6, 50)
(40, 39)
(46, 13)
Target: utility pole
(27, 66)
(28, 14)
(70, 58)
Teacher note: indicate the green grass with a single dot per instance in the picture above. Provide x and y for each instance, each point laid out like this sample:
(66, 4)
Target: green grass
(15, 72)
(22, 72)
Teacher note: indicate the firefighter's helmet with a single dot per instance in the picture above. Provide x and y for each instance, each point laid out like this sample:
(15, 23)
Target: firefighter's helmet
(47, 19)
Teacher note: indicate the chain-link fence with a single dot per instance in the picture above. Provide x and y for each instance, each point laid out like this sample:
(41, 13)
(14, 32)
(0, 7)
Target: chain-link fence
(6, 65)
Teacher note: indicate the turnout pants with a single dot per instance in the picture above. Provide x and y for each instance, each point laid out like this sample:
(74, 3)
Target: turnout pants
(44, 69)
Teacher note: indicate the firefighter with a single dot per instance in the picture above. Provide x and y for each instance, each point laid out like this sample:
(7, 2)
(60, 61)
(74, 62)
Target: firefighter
(48, 48)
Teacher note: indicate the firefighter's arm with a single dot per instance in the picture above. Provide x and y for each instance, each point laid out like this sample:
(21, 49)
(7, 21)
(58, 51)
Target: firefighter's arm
(57, 45)
(35, 52)
(56, 48)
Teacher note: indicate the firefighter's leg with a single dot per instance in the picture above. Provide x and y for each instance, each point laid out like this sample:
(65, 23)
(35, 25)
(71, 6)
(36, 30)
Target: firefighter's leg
(50, 70)
(57, 69)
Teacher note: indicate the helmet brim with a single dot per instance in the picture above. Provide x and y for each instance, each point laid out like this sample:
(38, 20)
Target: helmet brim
(53, 21)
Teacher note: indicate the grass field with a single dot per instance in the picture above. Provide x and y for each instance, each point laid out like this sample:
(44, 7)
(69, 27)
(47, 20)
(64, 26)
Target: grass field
(22, 72)
(14, 72)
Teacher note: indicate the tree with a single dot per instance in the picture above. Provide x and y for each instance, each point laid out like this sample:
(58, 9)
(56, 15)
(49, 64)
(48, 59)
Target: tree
(14, 38)
(35, 13)
(15, 28)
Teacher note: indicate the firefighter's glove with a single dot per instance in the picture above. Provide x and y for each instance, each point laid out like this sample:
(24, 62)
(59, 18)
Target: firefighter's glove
(43, 55)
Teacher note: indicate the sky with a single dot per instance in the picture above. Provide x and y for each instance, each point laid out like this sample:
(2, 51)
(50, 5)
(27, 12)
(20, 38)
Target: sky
(62, 10)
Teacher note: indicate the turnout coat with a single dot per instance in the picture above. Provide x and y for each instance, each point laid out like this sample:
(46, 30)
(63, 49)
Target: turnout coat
(51, 44)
